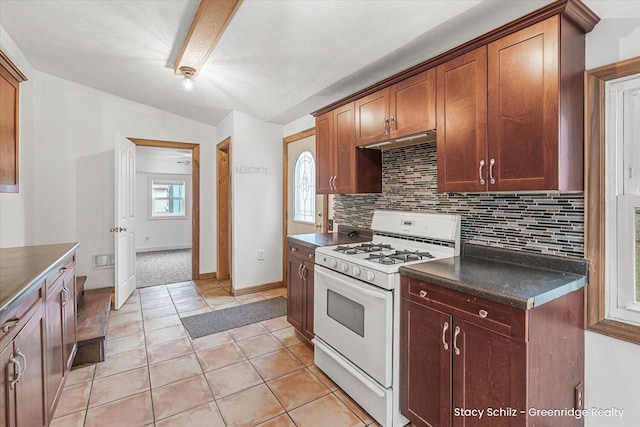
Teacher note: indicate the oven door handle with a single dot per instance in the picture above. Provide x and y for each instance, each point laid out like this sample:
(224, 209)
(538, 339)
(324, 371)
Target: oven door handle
(363, 380)
(337, 276)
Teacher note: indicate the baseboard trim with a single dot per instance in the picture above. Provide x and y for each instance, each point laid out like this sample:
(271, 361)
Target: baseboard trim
(257, 288)
(206, 276)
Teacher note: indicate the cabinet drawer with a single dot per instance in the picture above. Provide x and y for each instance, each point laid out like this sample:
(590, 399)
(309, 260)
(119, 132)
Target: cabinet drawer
(301, 252)
(61, 268)
(489, 314)
(14, 319)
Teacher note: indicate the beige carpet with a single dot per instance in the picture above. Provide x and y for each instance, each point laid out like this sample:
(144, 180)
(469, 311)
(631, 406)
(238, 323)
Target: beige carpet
(163, 267)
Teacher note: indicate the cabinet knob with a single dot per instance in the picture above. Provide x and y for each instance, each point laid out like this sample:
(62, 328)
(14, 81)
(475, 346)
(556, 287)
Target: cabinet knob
(293, 249)
(10, 324)
(310, 255)
(62, 270)
(423, 294)
(483, 313)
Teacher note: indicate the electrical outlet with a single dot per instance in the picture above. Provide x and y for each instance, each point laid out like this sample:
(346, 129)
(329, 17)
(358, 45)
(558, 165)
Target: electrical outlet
(146, 238)
(260, 254)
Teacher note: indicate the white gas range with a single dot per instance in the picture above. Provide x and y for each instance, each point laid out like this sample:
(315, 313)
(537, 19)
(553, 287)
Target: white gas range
(357, 305)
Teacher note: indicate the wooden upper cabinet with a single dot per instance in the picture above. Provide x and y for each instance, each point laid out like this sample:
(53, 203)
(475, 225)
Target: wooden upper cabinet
(344, 131)
(523, 101)
(342, 168)
(413, 105)
(324, 153)
(462, 122)
(10, 79)
(532, 111)
(403, 109)
(372, 118)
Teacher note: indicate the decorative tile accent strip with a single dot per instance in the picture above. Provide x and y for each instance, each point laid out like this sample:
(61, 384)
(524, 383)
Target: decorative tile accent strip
(548, 223)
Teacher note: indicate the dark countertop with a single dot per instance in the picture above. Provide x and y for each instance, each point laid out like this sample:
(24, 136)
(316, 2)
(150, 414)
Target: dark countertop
(495, 276)
(315, 240)
(22, 268)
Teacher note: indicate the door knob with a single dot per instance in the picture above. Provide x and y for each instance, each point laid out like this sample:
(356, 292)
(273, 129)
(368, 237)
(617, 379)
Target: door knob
(117, 229)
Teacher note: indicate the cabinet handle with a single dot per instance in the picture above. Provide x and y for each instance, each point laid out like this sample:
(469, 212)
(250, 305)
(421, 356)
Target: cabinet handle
(423, 294)
(62, 270)
(392, 119)
(482, 182)
(13, 383)
(304, 272)
(310, 255)
(24, 360)
(65, 294)
(444, 336)
(335, 178)
(386, 125)
(491, 163)
(455, 341)
(10, 324)
(483, 313)
(293, 249)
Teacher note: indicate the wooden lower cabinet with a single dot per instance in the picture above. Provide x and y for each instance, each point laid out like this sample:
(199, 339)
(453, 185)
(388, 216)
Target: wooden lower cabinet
(461, 354)
(22, 387)
(300, 263)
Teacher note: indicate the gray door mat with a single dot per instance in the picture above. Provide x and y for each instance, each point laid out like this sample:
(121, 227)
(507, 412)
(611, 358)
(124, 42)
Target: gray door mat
(204, 324)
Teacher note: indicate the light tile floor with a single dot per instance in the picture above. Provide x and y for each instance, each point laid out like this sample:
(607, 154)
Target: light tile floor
(155, 374)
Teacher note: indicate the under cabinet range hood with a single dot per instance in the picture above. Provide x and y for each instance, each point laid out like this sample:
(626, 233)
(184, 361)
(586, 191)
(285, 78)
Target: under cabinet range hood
(420, 138)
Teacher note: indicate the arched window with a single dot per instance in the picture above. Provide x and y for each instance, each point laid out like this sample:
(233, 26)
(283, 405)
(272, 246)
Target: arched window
(304, 188)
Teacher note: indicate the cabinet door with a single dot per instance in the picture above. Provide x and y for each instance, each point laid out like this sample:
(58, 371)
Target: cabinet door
(54, 342)
(425, 365)
(69, 314)
(462, 122)
(345, 149)
(324, 153)
(413, 105)
(523, 108)
(372, 118)
(295, 293)
(28, 345)
(9, 98)
(7, 395)
(489, 371)
(308, 300)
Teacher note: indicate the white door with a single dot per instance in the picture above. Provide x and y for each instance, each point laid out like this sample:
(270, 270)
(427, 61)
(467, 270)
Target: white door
(125, 172)
(302, 225)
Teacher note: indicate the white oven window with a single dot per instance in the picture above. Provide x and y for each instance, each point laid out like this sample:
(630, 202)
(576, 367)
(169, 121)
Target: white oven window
(345, 311)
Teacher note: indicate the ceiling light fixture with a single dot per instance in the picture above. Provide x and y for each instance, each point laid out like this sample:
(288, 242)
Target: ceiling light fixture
(187, 74)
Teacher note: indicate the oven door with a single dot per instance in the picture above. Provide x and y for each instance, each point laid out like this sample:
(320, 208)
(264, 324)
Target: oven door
(356, 319)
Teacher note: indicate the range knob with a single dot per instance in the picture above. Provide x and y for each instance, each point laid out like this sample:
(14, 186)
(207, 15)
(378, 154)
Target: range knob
(333, 263)
(344, 267)
(356, 271)
(370, 276)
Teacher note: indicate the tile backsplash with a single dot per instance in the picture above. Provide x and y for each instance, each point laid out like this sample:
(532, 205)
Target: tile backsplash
(548, 223)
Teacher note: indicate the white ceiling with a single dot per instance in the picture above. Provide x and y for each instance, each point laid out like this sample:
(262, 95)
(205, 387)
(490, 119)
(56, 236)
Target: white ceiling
(277, 60)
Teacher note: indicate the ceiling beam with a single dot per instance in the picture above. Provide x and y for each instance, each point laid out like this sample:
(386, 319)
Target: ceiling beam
(210, 21)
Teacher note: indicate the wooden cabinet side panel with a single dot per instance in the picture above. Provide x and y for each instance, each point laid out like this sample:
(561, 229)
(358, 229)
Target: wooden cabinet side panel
(372, 113)
(425, 365)
(413, 104)
(571, 133)
(368, 171)
(70, 319)
(344, 142)
(523, 108)
(488, 372)
(324, 152)
(30, 391)
(295, 293)
(462, 122)
(9, 145)
(308, 300)
(556, 328)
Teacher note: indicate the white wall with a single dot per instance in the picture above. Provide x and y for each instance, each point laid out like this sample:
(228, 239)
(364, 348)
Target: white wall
(298, 125)
(12, 205)
(73, 188)
(613, 366)
(256, 199)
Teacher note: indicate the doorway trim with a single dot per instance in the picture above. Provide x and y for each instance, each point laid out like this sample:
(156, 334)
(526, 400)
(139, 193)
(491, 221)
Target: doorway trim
(285, 195)
(223, 208)
(195, 193)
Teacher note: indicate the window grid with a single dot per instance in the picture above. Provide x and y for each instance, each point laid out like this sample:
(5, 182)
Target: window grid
(304, 188)
(168, 198)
